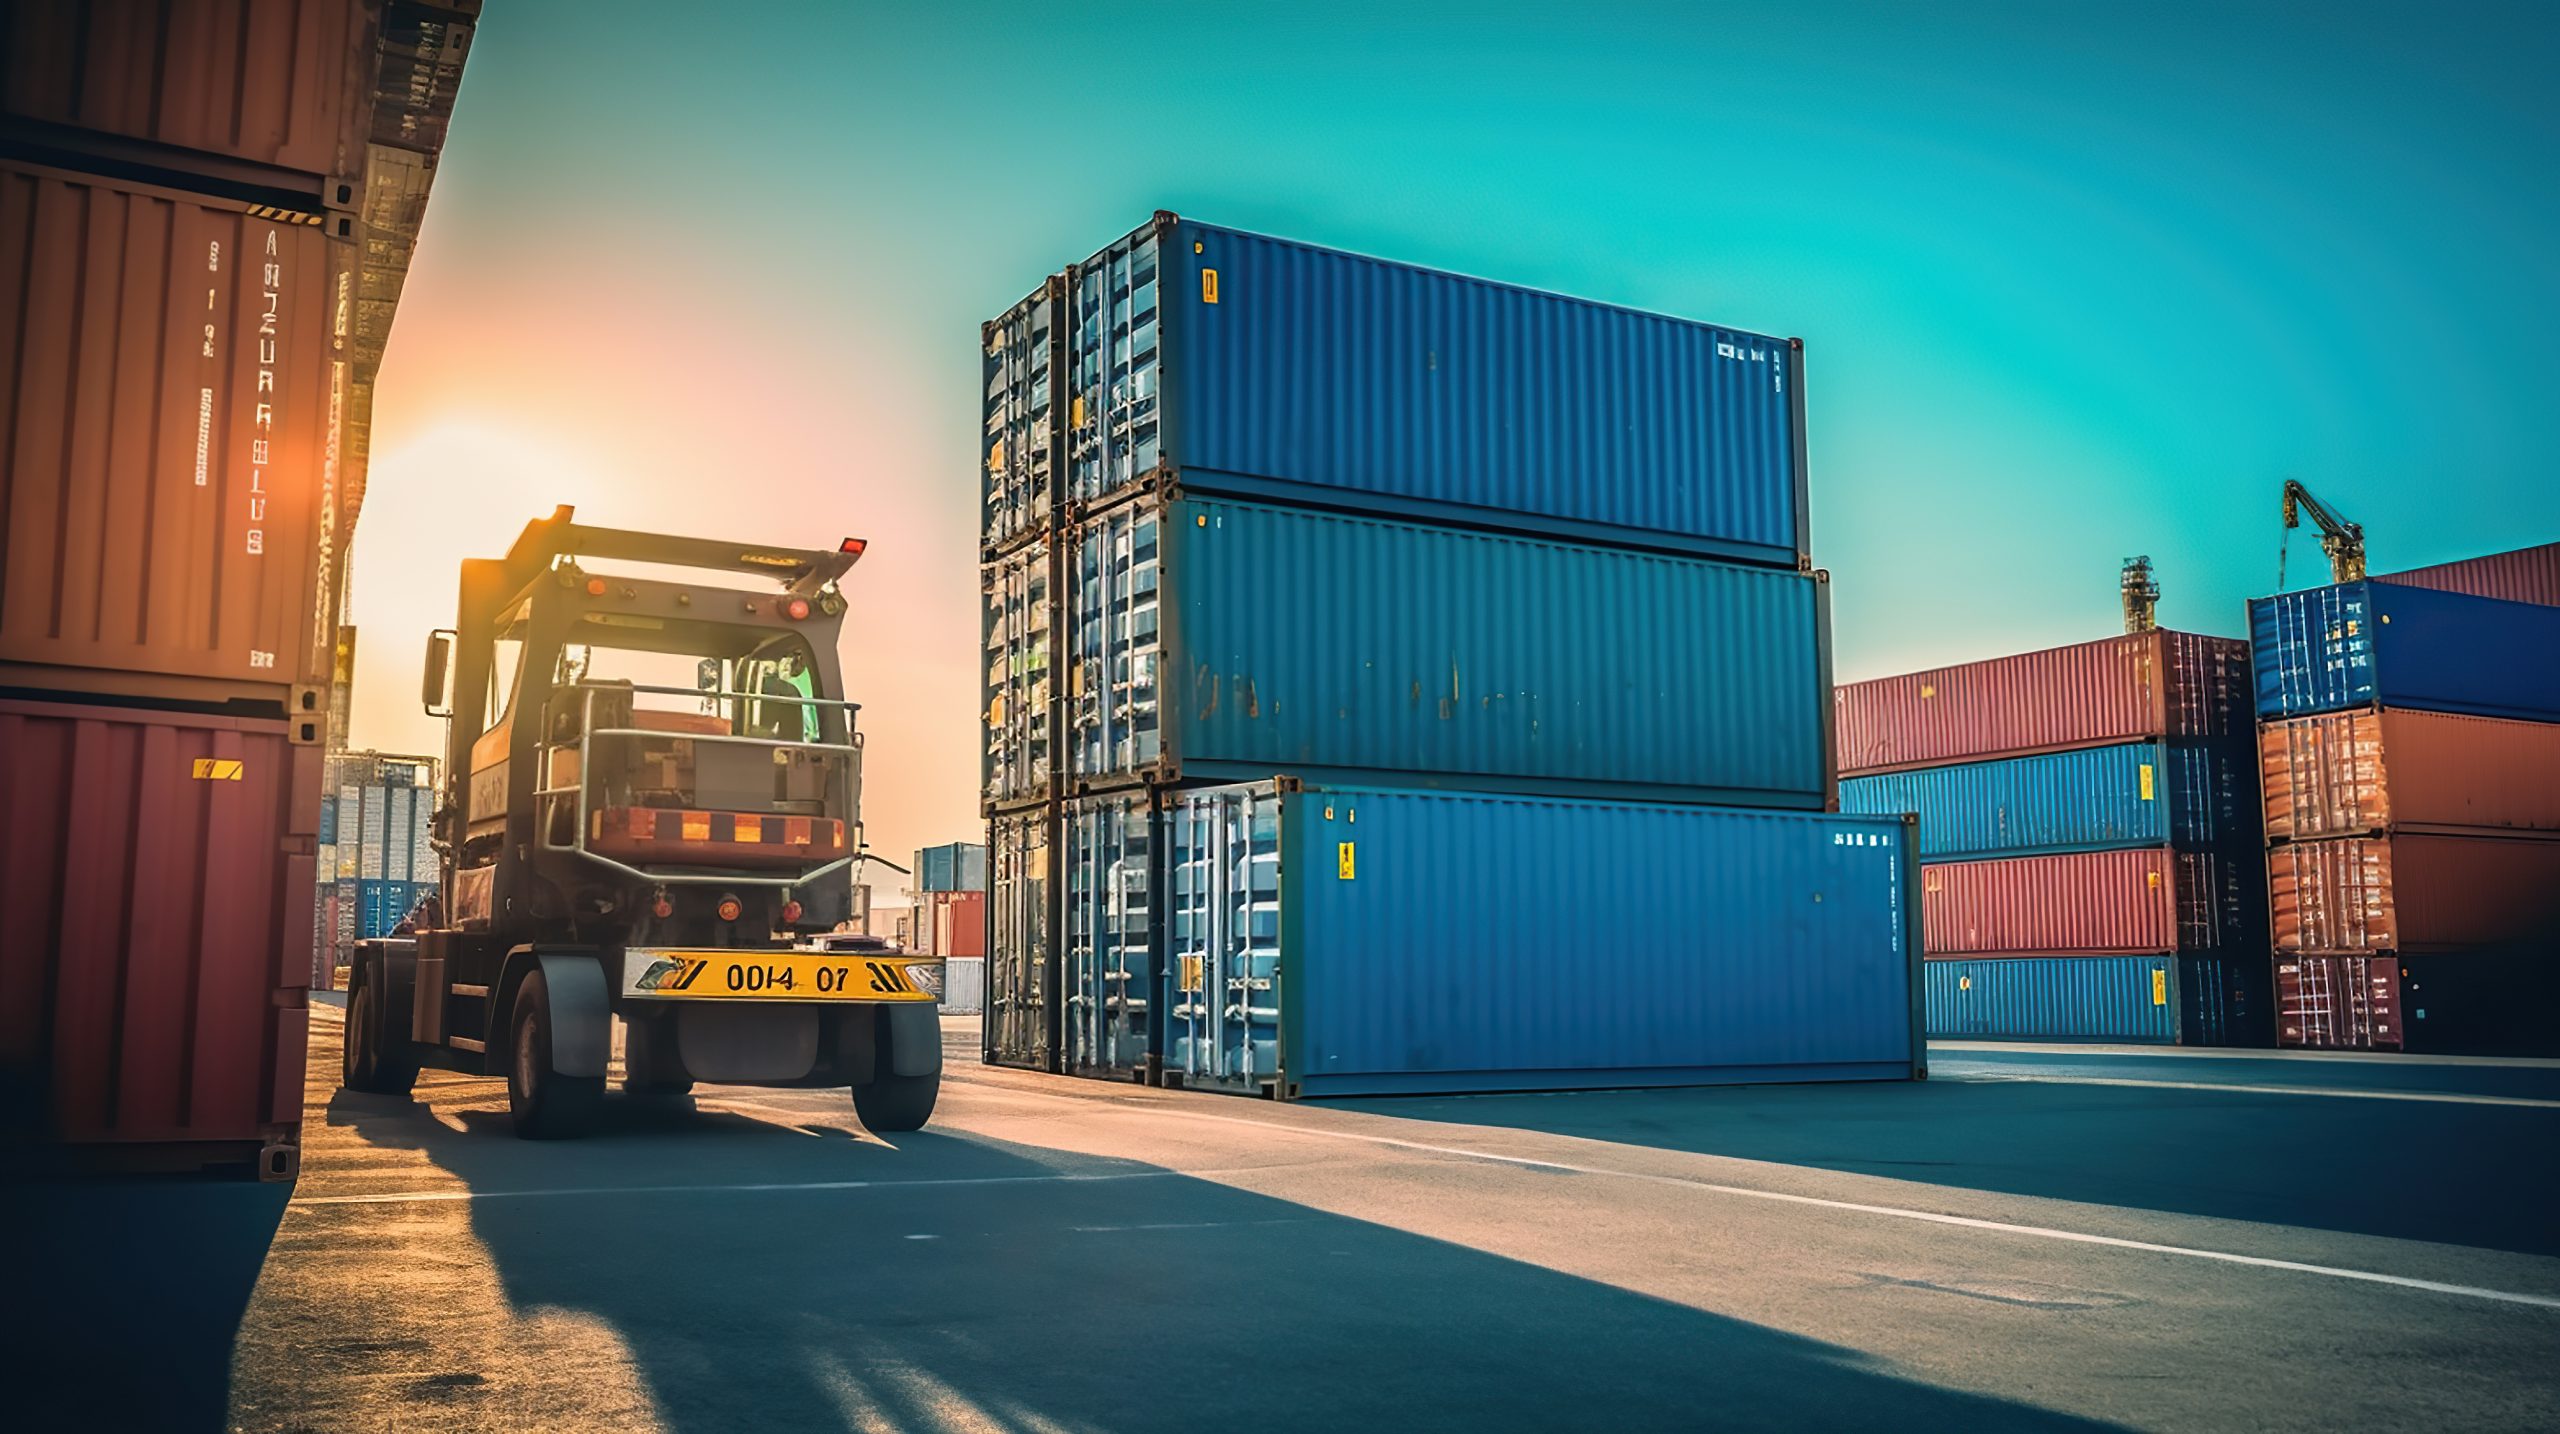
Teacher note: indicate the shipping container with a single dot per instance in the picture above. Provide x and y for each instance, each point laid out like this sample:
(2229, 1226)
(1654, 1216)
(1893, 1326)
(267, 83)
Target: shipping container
(419, 73)
(1220, 640)
(2185, 794)
(964, 986)
(2356, 773)
(2091, 694)
(1110, 855)
(2347, 1003)
(2361, 644)
(1019, 497)
(2151, 901)
(1021, 1027)
(155, 917)
(1350, 940)
(953, 866)
(266, 98)
(2167, 1000)
(1244, 366)
(2414, 892)
(959, 920)
(2525, 575)
(1017, 621)
(166, 409)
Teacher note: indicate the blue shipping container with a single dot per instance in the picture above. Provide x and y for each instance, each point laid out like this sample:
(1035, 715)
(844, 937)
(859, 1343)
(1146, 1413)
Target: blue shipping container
(2356, 644)
(1254, 367)
(1348, 940)
(2095, 799)
(953, 866)
(1018, 450)
(1109, 854)
(1228, 641)
(2180, 1000)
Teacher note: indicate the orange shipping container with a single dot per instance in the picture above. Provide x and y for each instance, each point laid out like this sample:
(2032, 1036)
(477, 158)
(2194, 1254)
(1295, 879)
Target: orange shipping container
(959, 923)
(168, 421)
(2413, 893)
(2353, 773)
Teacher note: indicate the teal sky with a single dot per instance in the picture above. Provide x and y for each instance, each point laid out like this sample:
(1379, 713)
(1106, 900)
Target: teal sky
(2075, 281)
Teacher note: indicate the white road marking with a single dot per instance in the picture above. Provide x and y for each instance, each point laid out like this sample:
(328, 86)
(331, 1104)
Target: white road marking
(2437, 1097)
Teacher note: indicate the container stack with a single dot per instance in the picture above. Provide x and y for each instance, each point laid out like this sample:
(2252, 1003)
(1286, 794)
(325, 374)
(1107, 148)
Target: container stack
(1330, 601)
(210, 209)
(950, 919)
(2088, 820)
(377, 863)
(2410, 745)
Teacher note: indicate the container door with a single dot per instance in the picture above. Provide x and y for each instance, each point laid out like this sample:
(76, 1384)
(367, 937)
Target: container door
(1110, 952)
(1018, 367)
(1115, 366)
(1223, 953)
(1019, 975)
(1016, 760)
(1112, 687)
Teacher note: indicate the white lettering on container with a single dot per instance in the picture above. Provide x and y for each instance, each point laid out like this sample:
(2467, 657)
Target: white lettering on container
(204, 433)
(263, 418)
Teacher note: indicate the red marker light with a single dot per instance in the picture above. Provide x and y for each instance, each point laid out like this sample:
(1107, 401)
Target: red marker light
(663, 908)
(796, 609)
(853, 546)
(790, 912)
(595, 587)
(729, 908)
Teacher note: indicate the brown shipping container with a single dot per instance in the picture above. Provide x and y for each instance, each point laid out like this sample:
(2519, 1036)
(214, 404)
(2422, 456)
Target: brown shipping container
(2091, 694)
(168, 415)
(2413, 893)
(281, 85)
(2525, 575)
(2138, 902)
(155, 933)
(2350, 773)
(2349, 1003)
(959, 923)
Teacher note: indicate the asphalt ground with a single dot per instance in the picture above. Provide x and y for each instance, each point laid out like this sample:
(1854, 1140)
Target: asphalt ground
(2035, 1238)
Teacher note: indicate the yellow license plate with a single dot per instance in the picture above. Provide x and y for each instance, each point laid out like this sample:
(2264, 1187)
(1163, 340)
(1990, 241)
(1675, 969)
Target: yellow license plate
(771, 976)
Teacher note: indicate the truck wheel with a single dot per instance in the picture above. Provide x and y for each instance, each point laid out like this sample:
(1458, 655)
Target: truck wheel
(546, 1104)
(892, 1103)
(370, 1065)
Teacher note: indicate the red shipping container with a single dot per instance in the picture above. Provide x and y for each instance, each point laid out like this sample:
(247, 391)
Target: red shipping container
(2349, 1003)
(2413, 893)
(2353, 773)
(167, 445)
(155, 935)
(2525, 575)
(959, 922)
(2091, 694)
(2150, 900)
(263, 85)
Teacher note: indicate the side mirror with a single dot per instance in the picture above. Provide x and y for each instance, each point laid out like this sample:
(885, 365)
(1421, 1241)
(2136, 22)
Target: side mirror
(706, 675)
(431, 683)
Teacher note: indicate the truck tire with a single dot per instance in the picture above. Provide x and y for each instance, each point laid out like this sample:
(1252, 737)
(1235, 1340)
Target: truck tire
(889, 1104)
(546, 1105)
(370, 1065)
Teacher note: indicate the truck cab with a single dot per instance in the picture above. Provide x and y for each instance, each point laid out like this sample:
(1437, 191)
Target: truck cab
(650, 811)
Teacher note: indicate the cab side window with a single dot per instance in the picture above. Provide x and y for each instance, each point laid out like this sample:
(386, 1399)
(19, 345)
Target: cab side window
(506, 663)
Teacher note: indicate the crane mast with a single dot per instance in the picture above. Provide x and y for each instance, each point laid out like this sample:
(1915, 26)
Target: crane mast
(2341, 541)
(2141, 596)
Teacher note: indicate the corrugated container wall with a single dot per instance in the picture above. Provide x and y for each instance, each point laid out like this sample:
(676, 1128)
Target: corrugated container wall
(1246, 366)
(271, 84)
(2090, 694)
(1222, 640)
(2351, 773)
(2184, 1000)
(1110, 854)
(1346, 940)
(1022, 975)
(167, 414)
(959, 923)
(2139, 902)
(2357, 644)
(153, 946)
(1020, 446)
(2414, 893)
(2524, 575)
(2139, 794)
(1017, 758)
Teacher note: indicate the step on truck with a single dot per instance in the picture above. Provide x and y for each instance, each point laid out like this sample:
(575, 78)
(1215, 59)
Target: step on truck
(649, 812)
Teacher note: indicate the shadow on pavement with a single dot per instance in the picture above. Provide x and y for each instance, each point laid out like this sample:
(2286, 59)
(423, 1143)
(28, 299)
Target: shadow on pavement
(2455, 1174)
(976, 1287)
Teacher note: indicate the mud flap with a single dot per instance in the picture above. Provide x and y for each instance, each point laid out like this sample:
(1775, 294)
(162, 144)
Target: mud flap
(581, 1016)
(914, 1030)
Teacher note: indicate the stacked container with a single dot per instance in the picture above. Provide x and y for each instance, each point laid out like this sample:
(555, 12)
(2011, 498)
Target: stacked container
(1274, 534)
(2088, 817)
(200, 280)
(378, 863)
(950, 920)
(2410, 748)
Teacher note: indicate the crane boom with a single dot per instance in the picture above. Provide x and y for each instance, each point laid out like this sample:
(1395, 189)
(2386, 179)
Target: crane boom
(2341, 541)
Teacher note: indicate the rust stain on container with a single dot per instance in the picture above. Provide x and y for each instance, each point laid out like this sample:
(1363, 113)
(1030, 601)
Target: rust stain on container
(2353, 773)
(2409, 892)
(169, 426)
(154, 948)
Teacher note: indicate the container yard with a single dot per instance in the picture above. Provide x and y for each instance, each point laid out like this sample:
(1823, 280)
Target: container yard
(1375, 810)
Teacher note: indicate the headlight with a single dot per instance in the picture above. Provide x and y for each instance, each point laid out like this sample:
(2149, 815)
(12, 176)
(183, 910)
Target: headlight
(928, 977)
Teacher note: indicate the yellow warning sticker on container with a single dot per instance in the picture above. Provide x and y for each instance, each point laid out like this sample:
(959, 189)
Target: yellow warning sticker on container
(1964, 983)
(2154, 878)
(1208, 286)
(995, 456)
(1190, 978)
(1342, 864)
(1075, 412)
(1928, 691)
(217, 769)
(995, 710)
(2146, 781)
(2159, 986)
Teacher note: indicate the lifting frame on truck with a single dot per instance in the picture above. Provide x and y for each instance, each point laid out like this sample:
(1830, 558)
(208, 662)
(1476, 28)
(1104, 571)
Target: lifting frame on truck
(609, 854)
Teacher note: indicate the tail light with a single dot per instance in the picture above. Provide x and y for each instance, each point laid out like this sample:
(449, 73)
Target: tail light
(796, 609)
(729, 908)
(662, 908)
(595, 587)
(790, 912)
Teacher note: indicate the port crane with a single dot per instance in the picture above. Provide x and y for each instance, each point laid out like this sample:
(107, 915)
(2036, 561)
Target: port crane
(2141, 596)
(2340, 540)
